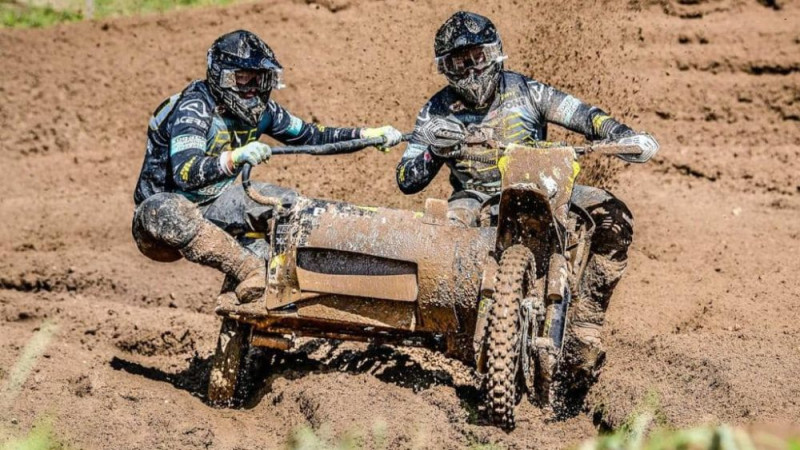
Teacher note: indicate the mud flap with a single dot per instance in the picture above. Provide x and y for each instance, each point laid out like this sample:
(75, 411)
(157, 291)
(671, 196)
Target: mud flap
(479, 344)
(228, 362)
(558, 325)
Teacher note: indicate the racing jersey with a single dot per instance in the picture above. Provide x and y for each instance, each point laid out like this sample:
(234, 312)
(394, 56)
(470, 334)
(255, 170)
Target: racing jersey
(519, 114)
(188, 132)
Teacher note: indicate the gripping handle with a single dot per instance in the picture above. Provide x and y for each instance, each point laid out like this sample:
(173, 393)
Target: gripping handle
(255, 195)
(336, 148)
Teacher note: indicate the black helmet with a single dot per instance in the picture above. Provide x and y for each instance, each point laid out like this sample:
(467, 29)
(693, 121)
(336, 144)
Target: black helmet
(241, 51)
(469, 52)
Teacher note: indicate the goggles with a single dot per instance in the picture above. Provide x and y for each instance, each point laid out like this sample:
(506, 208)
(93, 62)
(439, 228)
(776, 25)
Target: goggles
(258, 80)
(462, 60)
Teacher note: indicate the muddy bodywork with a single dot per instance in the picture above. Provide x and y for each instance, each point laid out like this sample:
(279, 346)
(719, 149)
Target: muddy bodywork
(344, 271)
(351, 272)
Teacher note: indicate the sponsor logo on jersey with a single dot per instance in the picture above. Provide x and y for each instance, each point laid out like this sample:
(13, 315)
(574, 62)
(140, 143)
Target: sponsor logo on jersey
(196, 107)
(187, 142)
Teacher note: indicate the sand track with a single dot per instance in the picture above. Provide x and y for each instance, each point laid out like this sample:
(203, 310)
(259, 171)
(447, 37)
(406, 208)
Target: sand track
(706, 320)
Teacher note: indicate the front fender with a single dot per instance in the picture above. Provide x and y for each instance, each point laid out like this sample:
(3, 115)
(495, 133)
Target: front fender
(526, 218)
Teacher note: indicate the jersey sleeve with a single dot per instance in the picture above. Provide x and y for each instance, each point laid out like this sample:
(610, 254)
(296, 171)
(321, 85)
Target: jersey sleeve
(418, 165)
(565, 110)
(290, 129)
(191, 167)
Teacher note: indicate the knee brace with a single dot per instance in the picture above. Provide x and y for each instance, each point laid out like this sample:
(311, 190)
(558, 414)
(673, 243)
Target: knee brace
(166, 220)
(613, 232)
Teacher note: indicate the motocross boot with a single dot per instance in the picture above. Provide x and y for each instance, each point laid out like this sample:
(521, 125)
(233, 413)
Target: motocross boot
(585, 353)
(213, 247)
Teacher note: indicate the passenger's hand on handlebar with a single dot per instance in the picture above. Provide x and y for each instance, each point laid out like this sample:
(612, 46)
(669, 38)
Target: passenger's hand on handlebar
(254, 153)
(645, 142)
(392, 135)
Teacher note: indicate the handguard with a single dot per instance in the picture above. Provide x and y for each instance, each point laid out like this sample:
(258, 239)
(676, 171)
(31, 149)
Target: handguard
(442, 135)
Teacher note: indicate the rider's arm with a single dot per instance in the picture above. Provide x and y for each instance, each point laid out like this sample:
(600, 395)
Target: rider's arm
(191, 167)
(417, 168)
(280, 124)
(565, 110)
(419, 165)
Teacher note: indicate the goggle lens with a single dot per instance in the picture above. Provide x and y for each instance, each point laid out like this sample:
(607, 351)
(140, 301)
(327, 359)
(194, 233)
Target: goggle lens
(248, 80)
(460, 61)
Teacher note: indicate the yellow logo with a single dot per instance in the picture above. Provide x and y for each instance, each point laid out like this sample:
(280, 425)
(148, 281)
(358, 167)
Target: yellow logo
(597, 122)
(576, 169)
(186, 168)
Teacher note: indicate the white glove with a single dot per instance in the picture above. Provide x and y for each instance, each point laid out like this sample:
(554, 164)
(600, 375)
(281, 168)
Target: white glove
(253, 153)
(644, 141)
(392, 135)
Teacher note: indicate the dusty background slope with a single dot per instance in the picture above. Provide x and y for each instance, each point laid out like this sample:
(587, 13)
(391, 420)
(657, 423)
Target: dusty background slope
(706, 319)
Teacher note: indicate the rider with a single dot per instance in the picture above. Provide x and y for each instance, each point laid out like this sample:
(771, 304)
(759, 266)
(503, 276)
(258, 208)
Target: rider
(198, 141)
(480, 93)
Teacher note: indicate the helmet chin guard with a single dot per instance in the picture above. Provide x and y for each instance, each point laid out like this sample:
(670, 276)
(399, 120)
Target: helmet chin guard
(477, 88)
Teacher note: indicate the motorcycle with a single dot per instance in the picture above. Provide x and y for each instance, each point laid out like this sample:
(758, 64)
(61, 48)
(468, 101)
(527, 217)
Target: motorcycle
(495, 297)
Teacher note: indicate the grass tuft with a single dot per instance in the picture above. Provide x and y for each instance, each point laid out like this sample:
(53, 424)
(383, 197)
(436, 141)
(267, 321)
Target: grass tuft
(110, 8)
(40, 437)
(31, 14)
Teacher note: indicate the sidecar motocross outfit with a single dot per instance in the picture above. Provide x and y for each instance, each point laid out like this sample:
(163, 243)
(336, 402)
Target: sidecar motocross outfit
(519, 114)
(184, 197)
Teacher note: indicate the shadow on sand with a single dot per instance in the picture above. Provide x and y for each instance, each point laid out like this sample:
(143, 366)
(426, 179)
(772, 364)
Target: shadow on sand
(265, 365)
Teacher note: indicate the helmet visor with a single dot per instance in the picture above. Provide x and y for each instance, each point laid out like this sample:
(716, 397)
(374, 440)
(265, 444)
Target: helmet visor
(243, 80)
(476, 57)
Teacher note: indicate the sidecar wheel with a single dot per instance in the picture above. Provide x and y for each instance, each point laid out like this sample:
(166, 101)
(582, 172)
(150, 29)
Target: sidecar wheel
(228, 364)
(503, 336)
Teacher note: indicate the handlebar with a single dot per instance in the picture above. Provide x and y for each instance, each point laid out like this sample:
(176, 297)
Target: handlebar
(604, 148)
(344, 147)
(601, 148)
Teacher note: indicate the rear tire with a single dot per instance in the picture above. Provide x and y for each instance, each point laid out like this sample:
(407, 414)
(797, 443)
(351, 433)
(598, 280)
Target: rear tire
(228, 365)
(516, 268)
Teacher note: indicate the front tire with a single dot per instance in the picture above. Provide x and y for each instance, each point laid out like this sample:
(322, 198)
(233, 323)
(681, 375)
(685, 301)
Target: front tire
(514, 276)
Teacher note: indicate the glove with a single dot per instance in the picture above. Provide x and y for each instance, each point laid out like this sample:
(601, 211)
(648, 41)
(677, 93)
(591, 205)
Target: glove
(443, 136)
(644, 141)
(392, 135)
(253, 153)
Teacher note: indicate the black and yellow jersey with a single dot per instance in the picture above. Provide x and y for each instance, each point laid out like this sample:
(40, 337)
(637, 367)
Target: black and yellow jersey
(519, 113)
(189, 131)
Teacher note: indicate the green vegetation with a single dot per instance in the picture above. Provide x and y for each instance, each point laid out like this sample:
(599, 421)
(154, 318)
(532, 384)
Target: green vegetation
(647, 428)
(107, 8)
(31, 16)
(37, 13)
(721, 437)
(40, 437)
(306, 438)
(27, 360)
